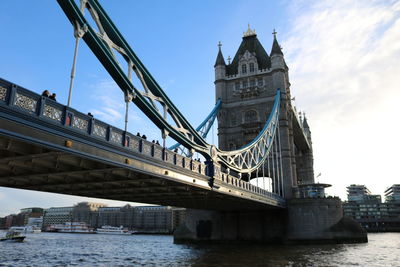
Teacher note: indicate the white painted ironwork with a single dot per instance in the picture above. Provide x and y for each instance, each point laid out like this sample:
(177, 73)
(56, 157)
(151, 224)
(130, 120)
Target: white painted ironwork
(79, 123)
(52, 112)
(25, 102)
(116, 137)
(3, 93)
(99, 130)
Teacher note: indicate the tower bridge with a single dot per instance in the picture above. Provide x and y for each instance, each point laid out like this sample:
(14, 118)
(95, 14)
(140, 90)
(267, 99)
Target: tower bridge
(247, 188)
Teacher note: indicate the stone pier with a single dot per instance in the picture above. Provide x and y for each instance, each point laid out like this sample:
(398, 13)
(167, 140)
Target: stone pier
(218, 226)
(306, 220)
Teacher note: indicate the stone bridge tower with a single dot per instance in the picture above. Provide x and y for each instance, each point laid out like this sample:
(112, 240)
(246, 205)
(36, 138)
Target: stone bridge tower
(247, 87)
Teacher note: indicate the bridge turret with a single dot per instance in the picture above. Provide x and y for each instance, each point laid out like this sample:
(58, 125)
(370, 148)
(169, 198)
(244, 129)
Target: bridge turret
(220, 73)
(306, 168)
(277, 60)
(220, 66)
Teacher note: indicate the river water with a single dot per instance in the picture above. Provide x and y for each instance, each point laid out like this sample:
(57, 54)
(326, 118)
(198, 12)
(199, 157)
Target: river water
(56, 249)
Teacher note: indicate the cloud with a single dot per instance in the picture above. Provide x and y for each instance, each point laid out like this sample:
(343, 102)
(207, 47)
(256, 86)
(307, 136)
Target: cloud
(111, 105)
(343, 60)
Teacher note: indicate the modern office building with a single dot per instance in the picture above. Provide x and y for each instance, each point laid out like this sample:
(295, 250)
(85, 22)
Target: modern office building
(57, 215)
(392, 194)
(369, 210)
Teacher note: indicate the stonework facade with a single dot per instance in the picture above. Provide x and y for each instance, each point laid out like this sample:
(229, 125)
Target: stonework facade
(247, 87)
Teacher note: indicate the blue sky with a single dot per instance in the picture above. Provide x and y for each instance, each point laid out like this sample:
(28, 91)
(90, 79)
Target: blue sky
(342, 57)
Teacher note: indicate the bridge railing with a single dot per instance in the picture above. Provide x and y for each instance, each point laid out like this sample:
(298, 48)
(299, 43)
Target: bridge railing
(30, 105)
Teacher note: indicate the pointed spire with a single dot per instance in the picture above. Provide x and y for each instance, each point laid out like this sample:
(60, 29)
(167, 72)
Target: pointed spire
(276, 48)
(249, 32)
(220, 58)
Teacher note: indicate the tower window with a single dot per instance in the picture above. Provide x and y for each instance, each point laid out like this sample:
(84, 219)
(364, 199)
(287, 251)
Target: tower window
(233, 120)
(251, 67)
(237, 85)
(244, 68)
(260, 82)
(250, 116)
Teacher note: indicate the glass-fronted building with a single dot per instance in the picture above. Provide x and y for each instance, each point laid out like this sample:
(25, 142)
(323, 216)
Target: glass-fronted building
(369, 210)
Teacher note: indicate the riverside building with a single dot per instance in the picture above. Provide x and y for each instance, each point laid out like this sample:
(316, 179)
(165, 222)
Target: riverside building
(369, 210)
(143, 219)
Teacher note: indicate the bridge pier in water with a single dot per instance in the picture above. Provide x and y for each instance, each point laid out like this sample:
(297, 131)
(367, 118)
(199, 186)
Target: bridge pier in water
(306, 220)
(226, 226)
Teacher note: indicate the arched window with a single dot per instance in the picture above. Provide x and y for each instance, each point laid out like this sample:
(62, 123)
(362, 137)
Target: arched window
(251, 67)
(244, 68)
(250, 116)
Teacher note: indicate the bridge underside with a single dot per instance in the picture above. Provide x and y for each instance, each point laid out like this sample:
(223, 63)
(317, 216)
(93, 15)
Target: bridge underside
(48, 164)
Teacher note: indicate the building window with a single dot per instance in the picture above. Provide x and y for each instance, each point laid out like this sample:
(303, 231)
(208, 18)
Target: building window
(244, 68)
(250, 116)
(252, 82)
(237, 85)
(251, 67)
(233, 120)
(260, 82)
(244, 84)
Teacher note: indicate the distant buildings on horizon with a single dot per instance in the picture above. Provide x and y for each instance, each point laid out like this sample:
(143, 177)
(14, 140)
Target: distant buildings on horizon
(369, 210)
(146, 219)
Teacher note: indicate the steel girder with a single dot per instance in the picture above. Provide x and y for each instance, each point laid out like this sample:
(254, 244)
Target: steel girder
(109, 40)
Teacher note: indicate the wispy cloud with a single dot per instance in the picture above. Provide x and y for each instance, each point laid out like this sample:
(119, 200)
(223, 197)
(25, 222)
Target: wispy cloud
(343, 59)
(111, 107)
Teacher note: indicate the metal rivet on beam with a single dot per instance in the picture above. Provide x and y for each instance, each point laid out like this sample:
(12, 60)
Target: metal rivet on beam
(194, 180)
(166, 172)
(127, 161)
(68, 143)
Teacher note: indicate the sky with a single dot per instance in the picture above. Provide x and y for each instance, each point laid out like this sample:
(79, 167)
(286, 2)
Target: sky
(343, 59)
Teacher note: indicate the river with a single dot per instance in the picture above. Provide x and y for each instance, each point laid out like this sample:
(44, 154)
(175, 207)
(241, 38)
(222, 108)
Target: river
(56, 249)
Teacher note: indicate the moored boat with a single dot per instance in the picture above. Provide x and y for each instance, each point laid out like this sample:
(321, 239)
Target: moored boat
(112, 230)
(72, 227)
(25, 229)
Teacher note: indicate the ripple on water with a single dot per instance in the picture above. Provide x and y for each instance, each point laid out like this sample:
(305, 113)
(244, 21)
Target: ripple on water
(55, 249)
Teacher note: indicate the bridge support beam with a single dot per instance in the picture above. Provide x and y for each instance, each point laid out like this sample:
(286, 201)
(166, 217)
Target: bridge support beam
(226, 226)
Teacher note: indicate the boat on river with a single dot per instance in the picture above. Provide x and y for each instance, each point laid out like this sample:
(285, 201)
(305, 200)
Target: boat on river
(112, 230)
(26, 229)
(12, 236)
(72, 227)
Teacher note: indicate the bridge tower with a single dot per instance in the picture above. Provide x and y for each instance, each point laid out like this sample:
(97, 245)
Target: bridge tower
(246, 87)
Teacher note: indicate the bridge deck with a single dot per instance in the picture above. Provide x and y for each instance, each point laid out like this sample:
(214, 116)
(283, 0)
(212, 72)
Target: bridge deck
(49, 147)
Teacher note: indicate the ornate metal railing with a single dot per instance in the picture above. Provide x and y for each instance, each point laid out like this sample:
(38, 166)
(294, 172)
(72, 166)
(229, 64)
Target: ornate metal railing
(29, 106)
